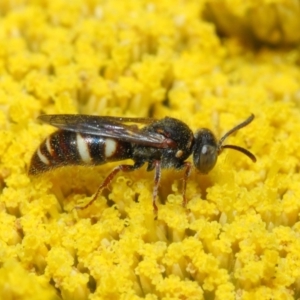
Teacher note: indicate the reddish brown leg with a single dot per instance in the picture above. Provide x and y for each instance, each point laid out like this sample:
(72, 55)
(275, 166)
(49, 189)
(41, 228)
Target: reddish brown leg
(107, 180)
(157, 176)
(186, 176)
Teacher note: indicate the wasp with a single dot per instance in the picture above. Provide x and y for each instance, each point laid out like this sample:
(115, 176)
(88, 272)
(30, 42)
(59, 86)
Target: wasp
(95, 140)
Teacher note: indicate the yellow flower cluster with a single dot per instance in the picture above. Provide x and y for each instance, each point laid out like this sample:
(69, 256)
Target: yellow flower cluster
(238, 237)
(275, 22)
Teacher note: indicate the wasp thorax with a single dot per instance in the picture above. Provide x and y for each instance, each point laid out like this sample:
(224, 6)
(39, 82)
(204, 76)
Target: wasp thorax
(205, 152)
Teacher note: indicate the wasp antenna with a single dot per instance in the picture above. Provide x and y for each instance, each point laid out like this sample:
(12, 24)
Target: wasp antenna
(238, 148)
(243, 150)
(234, 129)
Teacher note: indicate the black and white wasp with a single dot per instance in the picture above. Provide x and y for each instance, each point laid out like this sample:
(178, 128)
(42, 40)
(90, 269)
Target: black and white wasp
(95, 140)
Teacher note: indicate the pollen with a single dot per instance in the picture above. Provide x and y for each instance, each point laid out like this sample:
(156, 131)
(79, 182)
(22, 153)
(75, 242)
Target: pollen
(179, 153)
(237, 237)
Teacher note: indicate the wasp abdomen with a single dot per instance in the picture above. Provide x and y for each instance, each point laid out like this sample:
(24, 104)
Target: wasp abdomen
(72, 148)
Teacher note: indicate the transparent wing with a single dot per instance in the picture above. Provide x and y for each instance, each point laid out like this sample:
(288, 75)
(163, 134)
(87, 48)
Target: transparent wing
(105, 126)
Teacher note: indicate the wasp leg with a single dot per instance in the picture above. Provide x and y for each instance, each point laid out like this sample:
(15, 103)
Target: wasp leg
(186, 176)
(108, 179)
(157, 177)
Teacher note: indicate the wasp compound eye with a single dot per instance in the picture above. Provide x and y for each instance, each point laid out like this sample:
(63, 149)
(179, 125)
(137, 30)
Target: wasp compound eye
(205, 151)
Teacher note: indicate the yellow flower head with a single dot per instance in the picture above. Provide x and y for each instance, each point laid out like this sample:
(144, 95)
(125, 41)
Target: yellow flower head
(238, 235)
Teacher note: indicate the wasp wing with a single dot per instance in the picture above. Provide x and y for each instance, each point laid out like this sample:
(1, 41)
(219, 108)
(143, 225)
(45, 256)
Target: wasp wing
(106, 126)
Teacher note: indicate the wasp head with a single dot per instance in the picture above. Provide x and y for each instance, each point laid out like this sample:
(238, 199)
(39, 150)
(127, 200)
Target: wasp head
(205, 152)
(206, 148)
